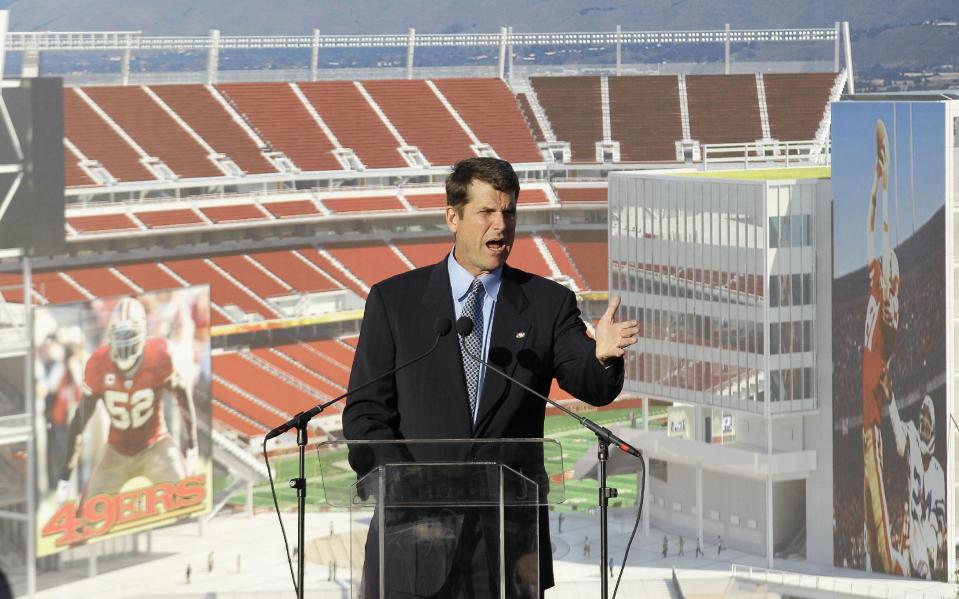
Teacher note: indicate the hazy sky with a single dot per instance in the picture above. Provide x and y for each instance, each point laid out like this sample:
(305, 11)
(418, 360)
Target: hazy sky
(916, 180)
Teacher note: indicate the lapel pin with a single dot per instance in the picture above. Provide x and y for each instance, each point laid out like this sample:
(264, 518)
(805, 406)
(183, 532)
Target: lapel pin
(521, 334)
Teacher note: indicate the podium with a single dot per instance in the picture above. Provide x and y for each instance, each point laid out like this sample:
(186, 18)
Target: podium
(444, 518)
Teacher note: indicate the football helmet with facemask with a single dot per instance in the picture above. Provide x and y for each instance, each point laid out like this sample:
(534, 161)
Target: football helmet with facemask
(126, 333)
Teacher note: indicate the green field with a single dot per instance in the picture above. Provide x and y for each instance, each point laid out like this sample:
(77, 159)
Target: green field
(766, 174)
(575, 441)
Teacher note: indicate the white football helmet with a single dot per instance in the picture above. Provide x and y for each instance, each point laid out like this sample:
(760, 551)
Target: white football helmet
(927, 432)
(126, 334)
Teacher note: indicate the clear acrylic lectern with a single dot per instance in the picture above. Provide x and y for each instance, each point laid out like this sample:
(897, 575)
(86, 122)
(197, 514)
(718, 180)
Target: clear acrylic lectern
(444, 518)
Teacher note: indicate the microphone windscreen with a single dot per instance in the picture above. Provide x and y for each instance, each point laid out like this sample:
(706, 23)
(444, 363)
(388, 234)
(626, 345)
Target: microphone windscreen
(442, 326)
(464, 326)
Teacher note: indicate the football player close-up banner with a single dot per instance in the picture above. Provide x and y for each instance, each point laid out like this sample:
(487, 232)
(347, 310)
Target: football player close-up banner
(123, 435)
(889, 338)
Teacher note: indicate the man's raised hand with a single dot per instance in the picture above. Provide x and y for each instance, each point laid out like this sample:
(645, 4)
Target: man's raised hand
(612, 338)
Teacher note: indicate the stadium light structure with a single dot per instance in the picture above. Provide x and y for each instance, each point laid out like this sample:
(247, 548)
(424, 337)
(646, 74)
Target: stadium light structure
(32, 43)
(72, 41)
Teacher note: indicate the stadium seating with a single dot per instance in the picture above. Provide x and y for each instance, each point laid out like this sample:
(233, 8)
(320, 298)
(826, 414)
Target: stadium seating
(589, 253)
(645, 117)
(364, 204)
(563, 260)
(572, 105)
(297, 371)
(196, 105)
(269, 385)
(421, 119)
(252, 275)
(97, 141)
(291, 208)
(370, 261)
(176, 217)
(142, 118)
(426, 201)
(256, 409)
(423, 252)
(223, 290)
(527, 110)
(527, 256)
(795, 103)
(314, 358)
(296, 271)
(101, 282)
(243, 121)
(354, 122)
(723, 108)
(73, 175)
(102, 222)
(489, 108)
(335, 270)
(149, 276)
(233, 213)
(576, 195)
(228, 417)
(274, 110)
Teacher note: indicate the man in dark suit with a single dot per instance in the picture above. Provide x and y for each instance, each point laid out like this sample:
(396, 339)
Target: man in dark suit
(525, 325)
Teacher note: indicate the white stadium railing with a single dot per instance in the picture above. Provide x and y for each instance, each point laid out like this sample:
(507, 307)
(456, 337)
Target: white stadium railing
(837, 584)
(785, 153)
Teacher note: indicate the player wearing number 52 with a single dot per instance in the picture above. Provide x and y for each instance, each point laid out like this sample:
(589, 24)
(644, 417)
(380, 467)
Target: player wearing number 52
(130, 374)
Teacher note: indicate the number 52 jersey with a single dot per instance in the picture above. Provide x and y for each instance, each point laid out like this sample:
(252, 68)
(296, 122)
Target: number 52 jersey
(132, 402)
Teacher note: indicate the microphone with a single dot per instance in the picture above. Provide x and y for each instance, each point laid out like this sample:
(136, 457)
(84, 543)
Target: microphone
(441, 326)
(464, 327)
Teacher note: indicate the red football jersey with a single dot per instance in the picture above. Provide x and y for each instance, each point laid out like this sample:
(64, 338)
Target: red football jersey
(878, 344)
(134, 404)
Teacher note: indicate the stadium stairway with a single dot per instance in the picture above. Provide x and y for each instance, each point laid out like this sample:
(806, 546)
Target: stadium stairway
(238, 460)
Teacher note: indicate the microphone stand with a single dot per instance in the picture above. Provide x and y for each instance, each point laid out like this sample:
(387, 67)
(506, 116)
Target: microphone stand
(605, 438)
(441, 327)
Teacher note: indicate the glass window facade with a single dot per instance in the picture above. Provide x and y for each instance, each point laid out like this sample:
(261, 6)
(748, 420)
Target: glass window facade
(721, 277)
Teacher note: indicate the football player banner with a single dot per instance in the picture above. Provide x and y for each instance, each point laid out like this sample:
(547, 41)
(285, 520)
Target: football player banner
(125, 426)
(890, 413)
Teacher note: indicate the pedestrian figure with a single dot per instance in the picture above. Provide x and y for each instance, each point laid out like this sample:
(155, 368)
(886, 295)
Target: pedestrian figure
(719, 544)
(188, 572)
(209, 562)
(699, 549)
(586, 547)
(610, 567)
(682, 546)
(331, 529)
(665, 545)
(561, 522)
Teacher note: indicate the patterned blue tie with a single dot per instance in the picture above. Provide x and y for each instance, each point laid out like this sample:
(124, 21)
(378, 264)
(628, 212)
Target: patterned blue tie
(473, 343)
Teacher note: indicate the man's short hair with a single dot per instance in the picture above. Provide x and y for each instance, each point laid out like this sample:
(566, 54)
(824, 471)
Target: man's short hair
(499, 174)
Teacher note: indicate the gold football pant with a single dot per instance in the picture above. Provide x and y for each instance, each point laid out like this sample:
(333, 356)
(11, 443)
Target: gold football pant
(878, 540)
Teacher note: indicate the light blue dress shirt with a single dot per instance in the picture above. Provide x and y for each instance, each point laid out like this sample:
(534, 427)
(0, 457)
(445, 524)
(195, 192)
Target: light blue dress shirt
(460, 281)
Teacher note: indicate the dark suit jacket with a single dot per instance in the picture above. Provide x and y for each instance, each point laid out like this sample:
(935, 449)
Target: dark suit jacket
(537, 335)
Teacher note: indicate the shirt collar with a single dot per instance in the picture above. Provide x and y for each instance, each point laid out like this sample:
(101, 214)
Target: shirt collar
(461, 279)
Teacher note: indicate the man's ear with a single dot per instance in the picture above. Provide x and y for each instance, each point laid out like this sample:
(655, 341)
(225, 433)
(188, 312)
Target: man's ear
(452, 219)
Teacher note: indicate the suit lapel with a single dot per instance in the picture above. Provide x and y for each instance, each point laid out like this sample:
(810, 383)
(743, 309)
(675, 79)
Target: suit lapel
(438, 301)
(510, 331)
